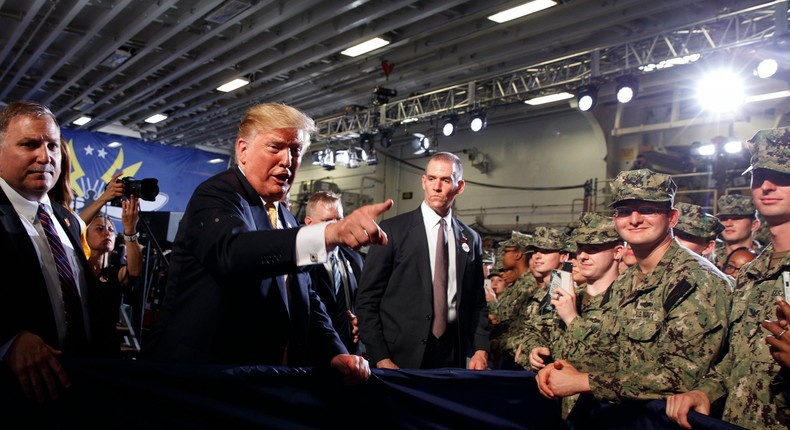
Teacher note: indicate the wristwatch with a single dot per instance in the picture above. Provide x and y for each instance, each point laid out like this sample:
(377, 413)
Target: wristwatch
(132, 238)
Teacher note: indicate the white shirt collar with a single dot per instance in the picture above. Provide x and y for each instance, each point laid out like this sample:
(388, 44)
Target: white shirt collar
(432, 218)
(23, 206)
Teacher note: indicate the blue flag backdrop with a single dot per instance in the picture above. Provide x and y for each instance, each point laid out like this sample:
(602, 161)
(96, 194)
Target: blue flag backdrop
(94, 161)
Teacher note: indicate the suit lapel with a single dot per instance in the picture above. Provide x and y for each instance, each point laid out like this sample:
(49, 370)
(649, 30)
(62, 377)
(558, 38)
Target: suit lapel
(418, 237)
(260, 220)
(461, 255)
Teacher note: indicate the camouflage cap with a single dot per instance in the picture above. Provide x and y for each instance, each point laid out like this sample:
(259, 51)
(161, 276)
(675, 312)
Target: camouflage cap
(517, 239)
(736, 204)
(693, 220)
(642, 184)
(770, 149)
(570, 246)
(496, 269)
(549, 238)
(595, 229)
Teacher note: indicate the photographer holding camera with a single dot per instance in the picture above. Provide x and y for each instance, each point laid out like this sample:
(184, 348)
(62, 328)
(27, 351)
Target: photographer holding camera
(114, 190)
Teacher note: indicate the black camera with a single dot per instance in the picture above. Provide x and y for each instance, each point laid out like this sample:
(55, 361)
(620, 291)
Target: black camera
(146, 189)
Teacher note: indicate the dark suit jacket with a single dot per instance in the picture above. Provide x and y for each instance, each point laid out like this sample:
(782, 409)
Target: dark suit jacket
(224, 300)
(395, 298)
(323, 285)
(25, 304)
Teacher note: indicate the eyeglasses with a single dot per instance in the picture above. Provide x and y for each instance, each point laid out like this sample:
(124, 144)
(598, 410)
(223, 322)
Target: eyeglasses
(624, 211)
(729, 269)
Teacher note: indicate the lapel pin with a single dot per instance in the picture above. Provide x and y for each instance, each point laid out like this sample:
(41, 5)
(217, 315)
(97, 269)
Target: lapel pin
(464, 245)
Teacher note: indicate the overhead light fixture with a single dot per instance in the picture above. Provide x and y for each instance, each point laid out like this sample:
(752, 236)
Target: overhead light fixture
(587, 97)
(115, 144)
(720, 91)
(627, 86)
(551, 98)
(216, 160)
(422, 143)
(365, 47)
(733, 147)
(233, 85)
(366, 140)
(478, 120)
(324, 158)
(706, 150)
(82, 120)
(523, 10)
(450, 125)
(348, 157)
(386, 137)
(382, 95)
(369, 156)
(766, 68)
(665, 64)
(153, 119)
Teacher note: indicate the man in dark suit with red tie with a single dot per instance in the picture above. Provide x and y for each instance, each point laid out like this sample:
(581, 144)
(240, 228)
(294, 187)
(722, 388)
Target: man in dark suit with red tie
(336, 282)
(237, 290)
(56, 308)
(421, 301)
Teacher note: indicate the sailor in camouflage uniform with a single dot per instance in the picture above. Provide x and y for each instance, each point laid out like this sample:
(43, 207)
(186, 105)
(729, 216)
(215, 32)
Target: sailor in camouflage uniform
(667, 313)
(576, 320)
(739, 217)
(549, 244)
(697, 229)
(516, 254)
(754, 384)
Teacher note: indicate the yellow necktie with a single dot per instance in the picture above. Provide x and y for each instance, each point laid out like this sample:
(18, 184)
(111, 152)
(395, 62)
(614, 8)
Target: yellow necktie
(271, 210)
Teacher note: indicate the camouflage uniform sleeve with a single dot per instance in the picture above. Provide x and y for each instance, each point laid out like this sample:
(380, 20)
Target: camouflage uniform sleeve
(519, 321)
(663, 356)
(539, 331)
(586, 346)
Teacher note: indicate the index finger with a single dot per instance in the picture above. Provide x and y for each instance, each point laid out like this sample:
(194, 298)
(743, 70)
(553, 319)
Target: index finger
(375, 210)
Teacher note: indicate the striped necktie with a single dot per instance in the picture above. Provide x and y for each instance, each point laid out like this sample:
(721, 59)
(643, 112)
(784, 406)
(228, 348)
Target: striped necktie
(75, 325)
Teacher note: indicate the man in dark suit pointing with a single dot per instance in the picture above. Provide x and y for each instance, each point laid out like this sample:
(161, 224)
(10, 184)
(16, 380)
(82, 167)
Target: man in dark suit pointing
(421, 301)
(238, 291)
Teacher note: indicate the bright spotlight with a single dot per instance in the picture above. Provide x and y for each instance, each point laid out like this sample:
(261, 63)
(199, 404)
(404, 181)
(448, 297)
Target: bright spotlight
(626, 88)
(450, 125)
(707, 149)
(766, 68)
(478, 121)
(720, 91)
(587, 97)
(733, 147)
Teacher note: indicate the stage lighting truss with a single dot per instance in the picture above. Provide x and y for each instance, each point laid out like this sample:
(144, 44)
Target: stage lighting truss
(627, 87)
(450, 124)
(587, 97)
(477, 120)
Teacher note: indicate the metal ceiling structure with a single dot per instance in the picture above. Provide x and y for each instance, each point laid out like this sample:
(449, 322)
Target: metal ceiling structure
(120, 61)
